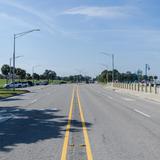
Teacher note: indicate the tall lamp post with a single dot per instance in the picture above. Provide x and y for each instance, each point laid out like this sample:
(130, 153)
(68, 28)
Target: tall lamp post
(14, 50)
(112, 56)
(10, 64)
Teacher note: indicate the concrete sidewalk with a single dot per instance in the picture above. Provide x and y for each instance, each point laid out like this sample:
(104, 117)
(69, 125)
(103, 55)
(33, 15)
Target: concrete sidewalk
(148, 96)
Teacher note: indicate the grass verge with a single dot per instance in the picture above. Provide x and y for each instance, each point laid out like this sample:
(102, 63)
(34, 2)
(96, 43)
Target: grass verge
(5, 93)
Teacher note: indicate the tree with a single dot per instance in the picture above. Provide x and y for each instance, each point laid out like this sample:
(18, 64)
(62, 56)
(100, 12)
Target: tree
(36, 76)
(18, 72)
(120, 77)
(52, 75)
(155, 78)
(46, 74)
(42, 77)
(5, 71)
(49, 74)
(21, 73)
(28, 76)
(151, 78)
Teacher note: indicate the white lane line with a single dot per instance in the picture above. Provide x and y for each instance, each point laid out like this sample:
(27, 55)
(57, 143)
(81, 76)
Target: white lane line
(144, 114)
(110, 97)
(35, 100)
(128, 99)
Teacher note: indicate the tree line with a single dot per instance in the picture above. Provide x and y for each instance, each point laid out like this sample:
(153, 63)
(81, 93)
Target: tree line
(21, 74)
(106, 76)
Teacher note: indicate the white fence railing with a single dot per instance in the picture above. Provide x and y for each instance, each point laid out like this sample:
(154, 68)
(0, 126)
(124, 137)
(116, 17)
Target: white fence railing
(138, 87)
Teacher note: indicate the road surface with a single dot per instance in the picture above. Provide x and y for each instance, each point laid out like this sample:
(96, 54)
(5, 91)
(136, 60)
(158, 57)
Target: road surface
(79, 122)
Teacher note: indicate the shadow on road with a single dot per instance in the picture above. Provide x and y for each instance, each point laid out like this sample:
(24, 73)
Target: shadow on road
(31, 126)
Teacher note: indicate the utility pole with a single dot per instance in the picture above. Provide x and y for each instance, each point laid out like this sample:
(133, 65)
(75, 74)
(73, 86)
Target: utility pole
(112, 68)
(13, 75)
(112, 56)
(147, 68)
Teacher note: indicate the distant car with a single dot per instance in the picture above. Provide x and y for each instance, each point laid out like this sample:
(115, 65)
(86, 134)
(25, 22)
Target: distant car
(30, 83)
(24, 84)
(62, 82)
(44, 83)
(37, 83)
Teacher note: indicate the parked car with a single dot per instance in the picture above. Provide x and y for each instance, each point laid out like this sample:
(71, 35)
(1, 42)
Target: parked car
(44, 83)
(37, 83)
(63, 82)
(30, 83)
(24, 84)
(15, 84)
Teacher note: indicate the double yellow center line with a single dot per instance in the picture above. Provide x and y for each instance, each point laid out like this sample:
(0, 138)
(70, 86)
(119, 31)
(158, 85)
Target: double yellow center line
(85, 133)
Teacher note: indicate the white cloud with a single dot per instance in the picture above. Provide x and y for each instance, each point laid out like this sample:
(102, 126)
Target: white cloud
(106, 12)
(15, 20)
(44, 18)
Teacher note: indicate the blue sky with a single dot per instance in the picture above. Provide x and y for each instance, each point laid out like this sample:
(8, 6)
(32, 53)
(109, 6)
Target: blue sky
(74, 32)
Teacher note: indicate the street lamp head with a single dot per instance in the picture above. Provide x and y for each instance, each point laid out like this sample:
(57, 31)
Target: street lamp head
(19, 56)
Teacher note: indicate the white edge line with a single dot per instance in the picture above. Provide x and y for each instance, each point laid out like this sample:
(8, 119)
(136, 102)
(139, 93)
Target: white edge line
(140, 112)
(110, 97)
(127, 99)
(35, 100)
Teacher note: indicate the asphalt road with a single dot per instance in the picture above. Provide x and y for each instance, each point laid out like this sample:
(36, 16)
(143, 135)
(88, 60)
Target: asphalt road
(85, 122)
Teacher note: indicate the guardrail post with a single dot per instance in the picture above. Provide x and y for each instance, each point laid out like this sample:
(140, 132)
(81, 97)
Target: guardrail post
(145, 87)
(142, 87)
(135, 86)
(150, 88)
(138, 87)
(132, 86)
(155, 89)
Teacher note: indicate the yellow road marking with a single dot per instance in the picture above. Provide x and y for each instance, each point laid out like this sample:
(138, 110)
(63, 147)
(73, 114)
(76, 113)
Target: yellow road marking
(66, 139)
(85, 133)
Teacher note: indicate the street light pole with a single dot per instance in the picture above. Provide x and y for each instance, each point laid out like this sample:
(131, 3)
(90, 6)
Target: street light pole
(112, 56)
(14, 51)
(112, 68)
(10, 65)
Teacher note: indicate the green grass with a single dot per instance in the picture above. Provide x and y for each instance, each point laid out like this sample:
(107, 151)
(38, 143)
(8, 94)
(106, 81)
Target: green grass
(5, 93)
(2, 82)
(55, 81)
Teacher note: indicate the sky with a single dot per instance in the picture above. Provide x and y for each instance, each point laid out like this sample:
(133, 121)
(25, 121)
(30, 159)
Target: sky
(73, 33)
